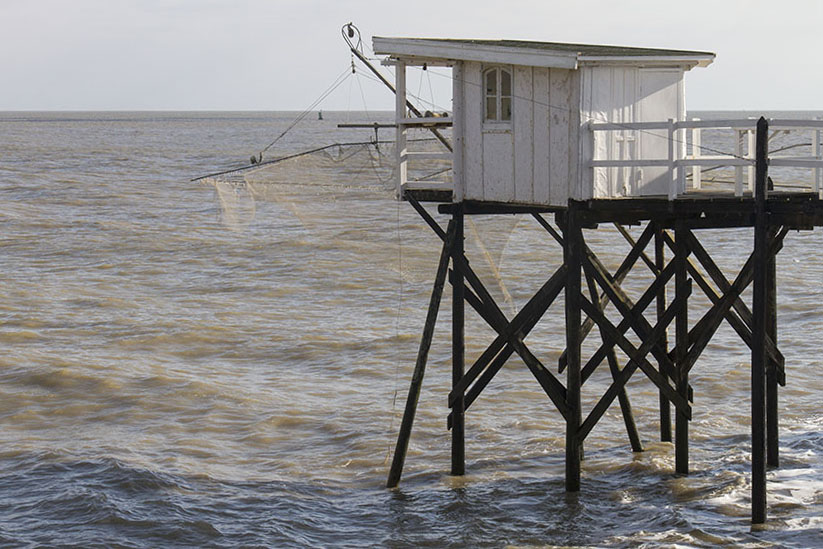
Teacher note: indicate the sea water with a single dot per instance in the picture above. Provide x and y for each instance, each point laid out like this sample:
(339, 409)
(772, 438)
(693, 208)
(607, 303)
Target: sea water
(171, 379)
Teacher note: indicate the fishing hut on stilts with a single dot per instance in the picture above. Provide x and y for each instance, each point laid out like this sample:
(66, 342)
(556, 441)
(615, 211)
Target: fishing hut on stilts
(593, 135)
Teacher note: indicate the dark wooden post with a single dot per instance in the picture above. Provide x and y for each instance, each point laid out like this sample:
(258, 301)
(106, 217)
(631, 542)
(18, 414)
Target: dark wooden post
(458, 348)
(659, 264)
(403, 436)
(681, 290)
(573, 256)
(772, 422)
(760, 320)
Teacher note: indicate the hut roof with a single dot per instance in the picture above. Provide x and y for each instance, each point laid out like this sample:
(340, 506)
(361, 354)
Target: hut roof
(525, 52)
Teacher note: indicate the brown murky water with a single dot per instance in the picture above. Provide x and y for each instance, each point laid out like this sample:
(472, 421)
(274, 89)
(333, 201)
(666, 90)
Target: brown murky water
(166, 379)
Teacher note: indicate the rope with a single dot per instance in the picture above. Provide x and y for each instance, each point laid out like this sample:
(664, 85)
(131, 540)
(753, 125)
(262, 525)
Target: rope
(334, 85)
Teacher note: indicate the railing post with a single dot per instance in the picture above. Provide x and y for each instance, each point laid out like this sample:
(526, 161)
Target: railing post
(818, 155)
(738, 170)
(680, 134)
(672, 179)
(697, 172)
(400, 114)
(750, 154)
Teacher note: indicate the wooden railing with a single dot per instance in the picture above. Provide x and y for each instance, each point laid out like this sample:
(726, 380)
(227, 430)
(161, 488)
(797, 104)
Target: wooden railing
(688, 152)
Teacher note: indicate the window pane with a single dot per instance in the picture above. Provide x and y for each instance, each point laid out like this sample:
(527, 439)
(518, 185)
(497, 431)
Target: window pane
(505, 108)
(491, 108)
(506, 82)
(491, 82)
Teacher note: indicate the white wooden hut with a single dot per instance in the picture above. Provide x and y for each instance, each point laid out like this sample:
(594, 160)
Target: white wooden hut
(521, 114)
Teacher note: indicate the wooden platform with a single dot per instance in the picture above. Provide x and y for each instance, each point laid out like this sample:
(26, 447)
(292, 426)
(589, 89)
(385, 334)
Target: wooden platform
(589, 287)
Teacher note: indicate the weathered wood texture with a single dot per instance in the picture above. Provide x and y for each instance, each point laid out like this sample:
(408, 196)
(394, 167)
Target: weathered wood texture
(458, 351)
(759, 328)
(573, 258)
(404, 435)
(531, 159)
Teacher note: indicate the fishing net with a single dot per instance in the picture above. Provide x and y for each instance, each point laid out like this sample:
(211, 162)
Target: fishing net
(344, 197)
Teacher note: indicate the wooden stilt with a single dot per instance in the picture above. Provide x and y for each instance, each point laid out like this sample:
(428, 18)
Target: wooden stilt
(619, 275)
(759, 328)
(772, 371)
(659, 263)
(400, 450)
(681, 286)
(509, 340)
(458, 350)
(573, 256)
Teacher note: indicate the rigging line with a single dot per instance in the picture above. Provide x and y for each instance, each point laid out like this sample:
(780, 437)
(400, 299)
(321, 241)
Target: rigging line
(259, 165)
(419, 85)
(337, 81)
(431, 89)
(362, 95)
(434, 106)
(348, 100)
(276, 160)
(624, 125)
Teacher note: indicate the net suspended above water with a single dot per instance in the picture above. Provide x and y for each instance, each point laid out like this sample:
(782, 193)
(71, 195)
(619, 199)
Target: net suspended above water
(340, 192)
(328, 172)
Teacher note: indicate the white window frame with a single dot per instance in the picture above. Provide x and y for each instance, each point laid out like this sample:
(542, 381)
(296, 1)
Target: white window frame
(499, 98)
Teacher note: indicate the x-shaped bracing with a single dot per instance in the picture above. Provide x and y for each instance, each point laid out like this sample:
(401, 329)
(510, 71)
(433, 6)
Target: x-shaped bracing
(727, 305)
(510, 334)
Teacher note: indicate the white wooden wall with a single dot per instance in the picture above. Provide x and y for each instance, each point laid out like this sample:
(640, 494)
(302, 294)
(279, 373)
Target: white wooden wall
(533, 159)
(628, 94)
(542, 156)
(661, 97)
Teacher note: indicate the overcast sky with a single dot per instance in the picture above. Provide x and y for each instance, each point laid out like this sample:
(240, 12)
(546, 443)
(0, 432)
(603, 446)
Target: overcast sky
(281, 54)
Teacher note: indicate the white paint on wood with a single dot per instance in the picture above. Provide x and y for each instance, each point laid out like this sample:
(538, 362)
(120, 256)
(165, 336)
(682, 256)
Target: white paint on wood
(601, 109)
(559, 112)
(540, 138)
(400, 113)
(458, 132)
(473, 141)
(418, 50)
(697, 174)
(498, 164)
(659, 100)
(522, 121)
(575, 122)
(738, 170)
(416, 47)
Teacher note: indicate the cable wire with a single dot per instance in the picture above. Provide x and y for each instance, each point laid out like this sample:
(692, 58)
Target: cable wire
(334, 85)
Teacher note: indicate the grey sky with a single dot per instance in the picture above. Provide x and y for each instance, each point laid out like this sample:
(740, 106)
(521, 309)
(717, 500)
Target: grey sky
(281, 54)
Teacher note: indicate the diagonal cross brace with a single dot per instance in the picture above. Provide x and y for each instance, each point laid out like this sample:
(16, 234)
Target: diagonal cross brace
(553, 388)
(702, 332)
(628, 237)
(614, 368)
(620, 274)
(639, 358)
(420, 365)
(742, 321)
(508, 350)
(626, 307)
(624, 375)
(510, 334)
(645, 300)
